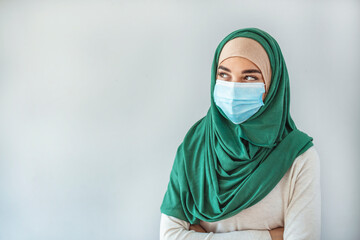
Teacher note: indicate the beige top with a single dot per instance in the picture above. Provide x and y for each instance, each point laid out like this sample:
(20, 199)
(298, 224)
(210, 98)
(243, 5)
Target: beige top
(294, 203)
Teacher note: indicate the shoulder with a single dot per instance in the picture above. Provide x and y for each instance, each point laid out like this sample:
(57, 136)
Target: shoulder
(308, 158)
(307, 164)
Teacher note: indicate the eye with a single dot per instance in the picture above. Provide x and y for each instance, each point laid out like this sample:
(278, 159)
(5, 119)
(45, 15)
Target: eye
(251, 78)
(222, 74)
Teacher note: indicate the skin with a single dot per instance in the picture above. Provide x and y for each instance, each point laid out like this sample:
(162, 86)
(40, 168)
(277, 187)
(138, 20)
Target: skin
(233, 72)
(231, 69)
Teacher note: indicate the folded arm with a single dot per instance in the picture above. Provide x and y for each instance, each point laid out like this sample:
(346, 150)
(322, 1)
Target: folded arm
(172, 228)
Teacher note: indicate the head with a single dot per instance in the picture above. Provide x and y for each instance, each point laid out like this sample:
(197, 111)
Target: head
(239, 69)
(244, 60)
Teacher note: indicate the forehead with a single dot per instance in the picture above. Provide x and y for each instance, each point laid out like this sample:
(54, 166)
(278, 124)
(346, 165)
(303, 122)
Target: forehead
(238, 63)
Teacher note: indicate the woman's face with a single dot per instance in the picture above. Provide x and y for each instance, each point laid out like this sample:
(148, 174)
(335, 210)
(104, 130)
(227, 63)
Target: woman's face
(238, 69)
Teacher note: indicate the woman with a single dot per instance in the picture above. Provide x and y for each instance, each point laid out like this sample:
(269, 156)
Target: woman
(244, 171)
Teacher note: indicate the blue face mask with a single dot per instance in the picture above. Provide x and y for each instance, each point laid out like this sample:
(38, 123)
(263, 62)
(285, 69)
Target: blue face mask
(238, 100)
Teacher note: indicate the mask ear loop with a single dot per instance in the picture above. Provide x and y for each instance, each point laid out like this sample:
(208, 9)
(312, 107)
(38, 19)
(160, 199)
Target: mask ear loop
(265, 91)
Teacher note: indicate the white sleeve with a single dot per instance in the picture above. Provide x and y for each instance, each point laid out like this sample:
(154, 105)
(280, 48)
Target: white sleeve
(172, 228)
(302, 218)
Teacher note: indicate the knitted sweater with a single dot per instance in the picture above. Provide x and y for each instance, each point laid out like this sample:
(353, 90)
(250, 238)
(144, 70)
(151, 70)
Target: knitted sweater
(294, 203)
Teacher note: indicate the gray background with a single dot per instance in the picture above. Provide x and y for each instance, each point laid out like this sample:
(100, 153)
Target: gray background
(96, 96)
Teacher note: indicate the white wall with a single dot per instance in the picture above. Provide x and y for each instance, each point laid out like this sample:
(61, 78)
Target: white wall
(95, 97)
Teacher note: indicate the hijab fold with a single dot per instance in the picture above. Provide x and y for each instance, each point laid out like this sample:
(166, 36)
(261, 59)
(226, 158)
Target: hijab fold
(221, 168)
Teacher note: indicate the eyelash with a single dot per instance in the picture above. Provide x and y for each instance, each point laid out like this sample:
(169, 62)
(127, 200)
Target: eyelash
(255, 78)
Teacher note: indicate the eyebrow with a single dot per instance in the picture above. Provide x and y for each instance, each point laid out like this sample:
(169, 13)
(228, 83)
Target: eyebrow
(245, 71)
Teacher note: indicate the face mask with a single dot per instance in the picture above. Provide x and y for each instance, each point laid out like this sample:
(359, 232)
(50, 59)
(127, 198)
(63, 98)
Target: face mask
(239, 101)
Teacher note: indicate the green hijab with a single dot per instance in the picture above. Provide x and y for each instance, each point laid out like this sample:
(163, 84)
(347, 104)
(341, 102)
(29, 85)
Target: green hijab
(221, 168)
